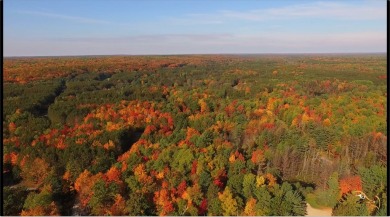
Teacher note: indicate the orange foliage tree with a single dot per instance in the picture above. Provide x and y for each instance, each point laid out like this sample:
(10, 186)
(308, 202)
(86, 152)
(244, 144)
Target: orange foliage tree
(84, 186)
(350, 183)
(35, 172)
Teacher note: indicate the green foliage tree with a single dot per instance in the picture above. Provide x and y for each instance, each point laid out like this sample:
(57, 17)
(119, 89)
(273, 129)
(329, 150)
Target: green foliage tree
(235, 183)
(214, 204)
(13, 201)
(331, 195)
(264, 198)
(103, 196)
(374, 180)
(248, 185)
(137, 204)
(286, 201)
(182, 160)
(351, 206)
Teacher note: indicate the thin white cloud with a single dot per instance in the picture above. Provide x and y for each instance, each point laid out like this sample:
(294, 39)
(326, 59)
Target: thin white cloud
(148, 38)
(197, 19)
(64, 17)
(328, 10)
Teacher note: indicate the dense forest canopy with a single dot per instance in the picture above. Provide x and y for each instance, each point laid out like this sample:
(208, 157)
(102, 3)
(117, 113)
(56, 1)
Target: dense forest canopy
(195, 135)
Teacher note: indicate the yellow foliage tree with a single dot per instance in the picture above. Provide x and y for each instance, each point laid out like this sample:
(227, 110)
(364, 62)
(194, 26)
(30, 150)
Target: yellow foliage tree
(228, 203)
(203, 106)
(260, 180)
(305, 118)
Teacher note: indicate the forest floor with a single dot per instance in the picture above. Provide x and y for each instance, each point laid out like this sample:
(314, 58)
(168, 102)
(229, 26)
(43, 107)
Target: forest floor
(318, 212)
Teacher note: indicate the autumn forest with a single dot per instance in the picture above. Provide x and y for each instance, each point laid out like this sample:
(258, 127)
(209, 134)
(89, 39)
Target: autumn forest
(195, 135)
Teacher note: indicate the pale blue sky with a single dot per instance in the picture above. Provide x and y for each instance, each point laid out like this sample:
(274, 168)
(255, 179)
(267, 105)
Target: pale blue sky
(97, 27)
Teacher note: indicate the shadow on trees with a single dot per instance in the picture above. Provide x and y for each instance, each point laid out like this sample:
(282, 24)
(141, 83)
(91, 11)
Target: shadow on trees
(128, 137)
(41, 108)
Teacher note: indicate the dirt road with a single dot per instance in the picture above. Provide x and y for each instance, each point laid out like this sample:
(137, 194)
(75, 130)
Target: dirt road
(318, 212)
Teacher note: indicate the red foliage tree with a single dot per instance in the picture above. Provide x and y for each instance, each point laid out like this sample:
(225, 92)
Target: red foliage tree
(194, 167)
(181, 187)
(202, 207)
(220, 180)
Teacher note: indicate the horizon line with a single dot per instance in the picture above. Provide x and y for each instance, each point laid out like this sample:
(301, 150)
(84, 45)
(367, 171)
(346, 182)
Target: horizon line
(200, 54)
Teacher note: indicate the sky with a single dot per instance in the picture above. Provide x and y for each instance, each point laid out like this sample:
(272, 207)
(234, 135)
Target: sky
(143, 27)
